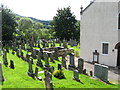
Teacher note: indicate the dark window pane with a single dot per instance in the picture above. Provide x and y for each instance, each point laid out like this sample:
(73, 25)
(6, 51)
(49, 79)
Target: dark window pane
(105, 48)
(119, 22)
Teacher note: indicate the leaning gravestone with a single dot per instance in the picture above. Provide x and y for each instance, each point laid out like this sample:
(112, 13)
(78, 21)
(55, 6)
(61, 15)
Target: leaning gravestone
(12, 64)
(71, 66)
(80, 65)
(101, 72)
(39, 62)
(30, 70)
(76, 75)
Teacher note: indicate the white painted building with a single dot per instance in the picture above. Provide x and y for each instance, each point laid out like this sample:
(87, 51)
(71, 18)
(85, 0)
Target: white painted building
(100, 32)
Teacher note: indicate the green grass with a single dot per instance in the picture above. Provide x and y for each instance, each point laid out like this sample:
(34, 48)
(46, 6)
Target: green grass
(18, 78)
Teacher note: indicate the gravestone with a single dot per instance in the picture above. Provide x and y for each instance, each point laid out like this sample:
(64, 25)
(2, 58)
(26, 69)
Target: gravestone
(34, 54)
(1, 73)
(56, 53)
(5, 61)
(46, 61)
(101, 72)
(59, 67)
(51, 58)
(52, 69)
(91, 73)
(71, 65)
(64, 60)
(39, 62)
(17, 53)
(48, 81)
(64, 43)
(76, 75)
(80, 65)
(36, 72)
(30, 69)
(12, 64)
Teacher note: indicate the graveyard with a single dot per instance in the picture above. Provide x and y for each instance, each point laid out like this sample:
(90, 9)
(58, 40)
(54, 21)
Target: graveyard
(22, 75)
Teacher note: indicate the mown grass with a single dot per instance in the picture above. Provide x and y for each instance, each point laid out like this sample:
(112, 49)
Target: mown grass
(18, 78)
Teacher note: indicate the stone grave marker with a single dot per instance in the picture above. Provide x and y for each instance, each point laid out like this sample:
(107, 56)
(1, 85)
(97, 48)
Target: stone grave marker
(59, 67)
(71, 65)
(46, 61)
(12, 64)
(1, 73)
(48, 81)
(36, 72)
(64, 43)
(34, 54)
(101, 71)
(56, 53)
(51, 58)
(76, 75)
(39, 62)
(52, 69)
(64, 60)
(80, 65)
(5, 61)
(30, 69)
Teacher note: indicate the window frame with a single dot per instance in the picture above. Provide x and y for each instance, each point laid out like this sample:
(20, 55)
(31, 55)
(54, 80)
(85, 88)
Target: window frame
(102, 48)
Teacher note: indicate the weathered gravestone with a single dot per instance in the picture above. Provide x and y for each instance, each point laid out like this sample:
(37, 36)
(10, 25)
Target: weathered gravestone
(5, 57)
(51, 58)
(101, 72)
(39, 62)
(17, 53)
(71, 65)
(59, 67)
(47, 66)
(48, 81)
(1, 73)
(52, 69)
(36, 72)
(76, 75)
(30, 69)
(56, 53)
(64, 60)
(34, 54)
(80, 65)
(12, 64)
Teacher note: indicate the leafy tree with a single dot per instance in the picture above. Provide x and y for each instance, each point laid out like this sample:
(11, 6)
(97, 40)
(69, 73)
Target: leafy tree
(8, 24)
(64, 24)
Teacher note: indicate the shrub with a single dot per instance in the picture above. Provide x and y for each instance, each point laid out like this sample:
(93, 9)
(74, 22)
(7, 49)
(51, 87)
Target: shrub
(58, 74)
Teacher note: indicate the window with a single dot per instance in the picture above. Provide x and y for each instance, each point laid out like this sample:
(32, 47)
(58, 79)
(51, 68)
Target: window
(105, 48)
(119, 21)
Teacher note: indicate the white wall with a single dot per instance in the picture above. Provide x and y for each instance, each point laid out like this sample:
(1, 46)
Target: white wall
(99, 24)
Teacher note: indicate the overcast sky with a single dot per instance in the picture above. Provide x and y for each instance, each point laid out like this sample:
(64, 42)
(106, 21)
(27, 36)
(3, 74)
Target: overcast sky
(44, 9)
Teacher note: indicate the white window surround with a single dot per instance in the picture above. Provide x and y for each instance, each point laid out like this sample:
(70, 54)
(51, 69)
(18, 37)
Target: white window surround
(102, 47)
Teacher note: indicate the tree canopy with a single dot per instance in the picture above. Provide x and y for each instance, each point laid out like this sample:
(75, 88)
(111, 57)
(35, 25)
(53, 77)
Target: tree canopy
(8, 24)
(64, 24)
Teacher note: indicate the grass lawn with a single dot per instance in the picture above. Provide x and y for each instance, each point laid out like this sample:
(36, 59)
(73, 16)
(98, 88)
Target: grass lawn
(18, 78)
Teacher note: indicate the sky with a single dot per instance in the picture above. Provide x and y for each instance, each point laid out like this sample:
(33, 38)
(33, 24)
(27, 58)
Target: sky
(44, 9)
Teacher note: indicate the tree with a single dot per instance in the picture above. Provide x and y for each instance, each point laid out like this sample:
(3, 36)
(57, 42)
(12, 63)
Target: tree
(64, 24)
(8, 24)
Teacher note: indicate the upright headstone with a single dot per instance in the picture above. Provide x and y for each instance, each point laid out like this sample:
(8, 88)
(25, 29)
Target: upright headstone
(71, 65)
(59, 67)
(5, 57)
(76, 75)
(51, 58)
(12, 64)
(64, 60)
(101, 71)
(39, 62)
(36, 72)
(80, 65)
(30, 69)
(46, 61)
(1, 73)
(34, 54)
(56, 53)
(48, 81)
